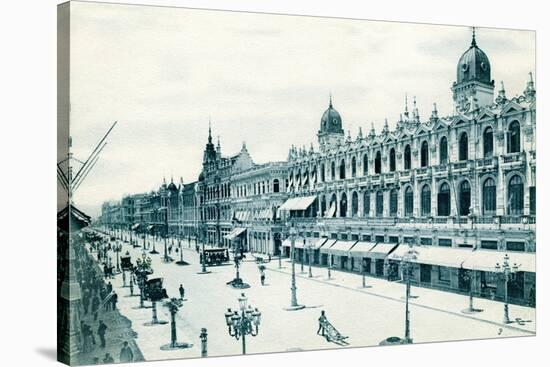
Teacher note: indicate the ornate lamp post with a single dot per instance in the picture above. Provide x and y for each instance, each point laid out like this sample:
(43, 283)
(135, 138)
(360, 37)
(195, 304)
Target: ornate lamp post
(407, 268)
(293, 300)
(204, 342)
(329, 266)
(117, 247)
(203, 252)
(238, 282)
(154, 250)
(506, 273)
(142, 271)
(239, 325)
(173, 305)
(364, 273)
(310, 247)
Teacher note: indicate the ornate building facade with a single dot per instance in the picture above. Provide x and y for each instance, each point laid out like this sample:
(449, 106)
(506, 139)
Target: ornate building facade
(465, 181)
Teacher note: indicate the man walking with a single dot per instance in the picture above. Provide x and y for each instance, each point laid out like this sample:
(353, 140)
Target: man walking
(114, 300)
(262, 276)
(322, 323)
(102, 328)
(126, 354)
(95, 306)
(182, 291)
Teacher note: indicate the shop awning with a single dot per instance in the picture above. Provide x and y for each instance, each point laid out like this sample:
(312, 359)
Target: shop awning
(340, 248)
(318, 242)
(234, 233)
(362, 248)
(150, 227)
(135, 226)
(486, 260)
(381, 250)
(434, 255)
(299, 203)
(298, 242)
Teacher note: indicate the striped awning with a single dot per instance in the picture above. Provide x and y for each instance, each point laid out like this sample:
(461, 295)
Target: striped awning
(486, 260)
(339, 248)
(298, 242)
(234, 233)
(362, 248)
(298, 203)
(381, 250)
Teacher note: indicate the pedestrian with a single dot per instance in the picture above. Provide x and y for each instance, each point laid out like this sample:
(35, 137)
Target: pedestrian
(182, 291)
(95, 306)
(102, 328)
(322, 323)
(262, 276)
(131, 286)
(108, 358)
(109, 287)
(106, 271)
(114, 300)
(126, 354)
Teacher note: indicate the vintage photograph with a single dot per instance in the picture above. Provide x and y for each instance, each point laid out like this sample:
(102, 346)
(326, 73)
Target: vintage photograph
(236, 183)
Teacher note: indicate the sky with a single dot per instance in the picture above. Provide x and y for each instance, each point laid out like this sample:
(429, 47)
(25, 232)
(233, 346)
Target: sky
(263, 79)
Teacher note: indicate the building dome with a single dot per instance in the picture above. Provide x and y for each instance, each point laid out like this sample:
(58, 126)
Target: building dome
(172, 187)
(473, 65)
(331, 122)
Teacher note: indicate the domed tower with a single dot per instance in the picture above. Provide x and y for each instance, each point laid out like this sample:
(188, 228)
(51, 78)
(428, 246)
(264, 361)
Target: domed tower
(473, 87)
(330, 132)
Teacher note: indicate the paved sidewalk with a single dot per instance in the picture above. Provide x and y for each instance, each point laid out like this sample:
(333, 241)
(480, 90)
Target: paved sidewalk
(522, 317)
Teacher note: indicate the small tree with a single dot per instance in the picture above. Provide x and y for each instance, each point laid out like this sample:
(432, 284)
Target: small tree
(173, 305)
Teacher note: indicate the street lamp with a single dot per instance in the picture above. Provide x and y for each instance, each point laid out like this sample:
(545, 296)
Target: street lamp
(364, 273)
(293, 301)
(117, 248)
(310, 248)
(237, 257)
(407, 268)
(245, 323)
(142, 271)
(506, 273)
(203, 253)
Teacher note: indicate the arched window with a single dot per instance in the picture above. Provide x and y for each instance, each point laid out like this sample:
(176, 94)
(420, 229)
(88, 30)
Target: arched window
(514, 135)
(443, 151)
(332, 171)
(488, 142)
(378, 163)
(343, 205)
(489, 197)
(426, 200)
(322, 172)
(354, 204)
(323, 205)
(409, 201)
(515, 196)
(463, 147)
(392, 160)
(353, 167)
(393, 203)
(342, 169)
(407, 157)
(465, 198)
(379, 203)
(275, 185)
(424, 154)
(333, 208)
(365, 165)
(366, 204)
(444, 200)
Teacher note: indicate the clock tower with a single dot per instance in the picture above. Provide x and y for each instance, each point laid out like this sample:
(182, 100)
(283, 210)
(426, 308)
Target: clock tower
(473, 87)
(330, 132)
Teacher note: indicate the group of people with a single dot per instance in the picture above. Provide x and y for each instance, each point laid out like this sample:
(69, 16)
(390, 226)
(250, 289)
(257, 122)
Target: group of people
(98, 296)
